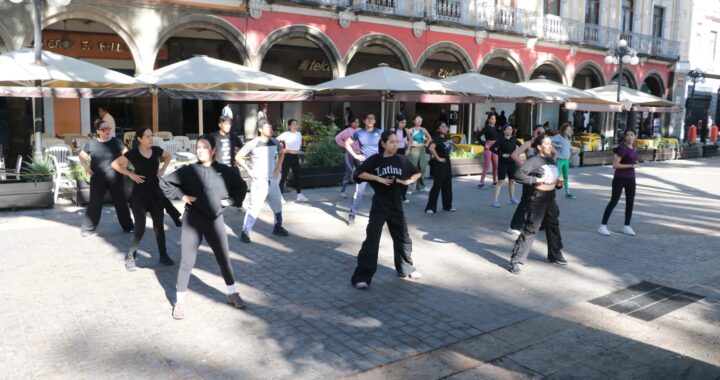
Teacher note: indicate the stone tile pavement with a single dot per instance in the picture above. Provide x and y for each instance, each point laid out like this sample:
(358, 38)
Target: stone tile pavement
(68, 308)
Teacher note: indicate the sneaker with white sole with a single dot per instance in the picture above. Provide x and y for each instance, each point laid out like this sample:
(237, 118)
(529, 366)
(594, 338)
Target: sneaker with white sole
(343, 195)
(301, 198)
(406, 201)
(603, 230)
(627, 230)
(429, 212)
(360, 285)
(514, 201)
(178, 311)
(511, 231)
(282, 200)
(409, 192)
(495, 204)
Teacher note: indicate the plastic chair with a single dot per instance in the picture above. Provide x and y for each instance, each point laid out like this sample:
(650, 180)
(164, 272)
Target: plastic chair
(128, 137)
(81, 141)
(61, 154)
(18, 167)
(193, 144)
(184, 141)
(171, 146)
(47, 143)
(158, 141)
(165, 135)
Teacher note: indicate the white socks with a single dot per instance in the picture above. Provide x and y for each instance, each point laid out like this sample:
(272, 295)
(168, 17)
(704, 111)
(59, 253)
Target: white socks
(180, 297)
(232, 289)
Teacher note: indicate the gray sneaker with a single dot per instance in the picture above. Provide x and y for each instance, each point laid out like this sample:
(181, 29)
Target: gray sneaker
(178, 311)
(237, 301)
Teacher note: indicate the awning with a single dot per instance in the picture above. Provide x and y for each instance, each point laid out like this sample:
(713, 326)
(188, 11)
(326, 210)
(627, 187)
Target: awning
(658, 109)
(592, 107)
(238, 96)
(70, 93)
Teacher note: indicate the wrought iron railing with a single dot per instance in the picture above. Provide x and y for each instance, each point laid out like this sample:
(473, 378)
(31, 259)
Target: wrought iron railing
(402, 8)
(321, 3)
(507, 19)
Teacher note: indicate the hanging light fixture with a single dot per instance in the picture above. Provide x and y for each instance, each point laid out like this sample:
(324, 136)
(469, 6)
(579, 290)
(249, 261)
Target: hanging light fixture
(65, 41)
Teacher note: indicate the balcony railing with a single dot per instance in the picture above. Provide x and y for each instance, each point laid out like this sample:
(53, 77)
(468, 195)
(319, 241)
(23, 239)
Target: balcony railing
(506, 19)
(452, 11)
(320, 3)
(403, 8)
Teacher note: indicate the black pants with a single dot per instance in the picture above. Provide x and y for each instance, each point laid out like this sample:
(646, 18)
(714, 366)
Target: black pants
(98, 186)
(139, 209)
(542, 211)
(401, 152)
(194, 229)
(519, 216)
(291, 161)
(618, 184)
(171, 210)
(442, 181)
(384, 209)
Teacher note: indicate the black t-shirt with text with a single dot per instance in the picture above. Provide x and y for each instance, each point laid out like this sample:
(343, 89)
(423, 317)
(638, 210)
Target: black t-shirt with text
(442, 146)
(102, 154)
(392, 167)
(226, 147)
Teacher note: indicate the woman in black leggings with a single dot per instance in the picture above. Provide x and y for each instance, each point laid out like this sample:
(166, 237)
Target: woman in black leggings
(624, 162)
(204, 187)
(540, 172)
(146, 195)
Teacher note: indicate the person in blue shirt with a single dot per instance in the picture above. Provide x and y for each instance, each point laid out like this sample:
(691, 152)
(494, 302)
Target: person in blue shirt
(369, 138)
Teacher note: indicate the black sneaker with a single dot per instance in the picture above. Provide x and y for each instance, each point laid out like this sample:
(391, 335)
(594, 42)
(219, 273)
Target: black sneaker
(559, 260)
(351, 219)
(514, 267)
(280, 231)
(166, 260)
(244, 237)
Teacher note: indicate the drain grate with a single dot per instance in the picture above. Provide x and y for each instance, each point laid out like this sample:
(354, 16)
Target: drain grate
(646, 300)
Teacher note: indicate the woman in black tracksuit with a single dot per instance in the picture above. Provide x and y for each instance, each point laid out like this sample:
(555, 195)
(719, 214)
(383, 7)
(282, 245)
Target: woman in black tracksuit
(204, 187)
(540, 171)
(504, 147)
(442, 171)
(387, 173)
(146, 195)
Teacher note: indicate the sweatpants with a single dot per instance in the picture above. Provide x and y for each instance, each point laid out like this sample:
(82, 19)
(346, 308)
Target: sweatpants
(519, 216)
(98, 186)
(442, 181)
(291, 161)
(564, 168)
(139, 209)
(260, 191)
(489, 159)
(194, 229)
(384, 210)
(417, 157)
(542, 211)
(618, 184)
(349, 169)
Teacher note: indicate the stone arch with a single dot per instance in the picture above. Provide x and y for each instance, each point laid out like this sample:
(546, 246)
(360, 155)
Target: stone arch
(102, 16)
(555, 63)
(595, 68)
(632, 75)
(509, 56)
(303, 31)
(447, 47)
(384, 40)
(656, 76)
(213, 23)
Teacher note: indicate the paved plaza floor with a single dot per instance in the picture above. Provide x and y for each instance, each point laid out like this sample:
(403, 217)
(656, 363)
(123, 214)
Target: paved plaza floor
(68, 308)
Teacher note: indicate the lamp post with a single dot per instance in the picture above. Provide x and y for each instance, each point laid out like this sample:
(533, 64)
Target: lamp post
(695, 75)
(37, 37)
(621, 54)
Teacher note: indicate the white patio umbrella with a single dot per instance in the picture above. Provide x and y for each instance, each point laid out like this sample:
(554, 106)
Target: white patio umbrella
(641, 100)
(554, 92)
(385, 83)
(18, 69)
(499, 90)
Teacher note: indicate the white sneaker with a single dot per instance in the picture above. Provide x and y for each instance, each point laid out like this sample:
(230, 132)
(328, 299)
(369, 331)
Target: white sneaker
(429, 212)
(409, 192)
(603, 230)
(343, 195)
(301, 198)
(627, 230)
(495, 204)
(282, 200)
(514, 201)
(406, 201)
(512, 232)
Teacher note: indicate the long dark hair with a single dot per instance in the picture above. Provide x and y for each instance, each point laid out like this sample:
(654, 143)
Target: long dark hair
(384, 136)
(538, 141)
(398, 119)
(139, 132)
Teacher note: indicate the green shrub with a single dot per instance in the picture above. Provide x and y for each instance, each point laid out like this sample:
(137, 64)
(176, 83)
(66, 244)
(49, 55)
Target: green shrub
(323, 152)
(38, 170)
(78, 173)
(460, 154)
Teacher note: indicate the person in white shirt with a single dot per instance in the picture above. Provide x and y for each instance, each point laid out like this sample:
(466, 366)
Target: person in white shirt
(107, 118)
(227, 111)
(291, 140)
(262, 114)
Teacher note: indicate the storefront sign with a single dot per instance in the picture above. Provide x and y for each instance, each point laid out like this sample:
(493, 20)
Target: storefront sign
(439, 73)
(89, 45)
(313, 65)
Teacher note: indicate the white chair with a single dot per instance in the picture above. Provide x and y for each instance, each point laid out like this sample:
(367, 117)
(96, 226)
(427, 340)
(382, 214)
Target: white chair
(184, 141)
(81, 141)
(165, 135)
(61, 154)
(193, 144)
(128, 138)
(158, 141)
(46, 143)
(171, 146)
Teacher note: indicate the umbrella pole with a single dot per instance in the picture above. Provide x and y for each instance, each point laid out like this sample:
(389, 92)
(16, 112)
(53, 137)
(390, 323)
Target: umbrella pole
(382, 111)
(200, 117)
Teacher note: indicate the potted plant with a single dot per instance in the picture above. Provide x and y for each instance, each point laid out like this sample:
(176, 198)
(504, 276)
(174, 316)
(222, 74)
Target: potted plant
(598, 157)
(465, 162)
(33, 190)
(322, 163)
(663, 151)
(689, 151)
(710, 150)
(645, 152)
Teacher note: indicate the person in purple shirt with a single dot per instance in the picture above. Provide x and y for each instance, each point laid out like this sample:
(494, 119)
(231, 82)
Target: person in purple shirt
(369, 138)
(349, 160)
(625, 162)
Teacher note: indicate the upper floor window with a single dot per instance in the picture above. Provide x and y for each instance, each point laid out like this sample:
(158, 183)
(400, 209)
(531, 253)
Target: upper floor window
(658, 21)
(592, 13)
(552, 7)
(626, 17)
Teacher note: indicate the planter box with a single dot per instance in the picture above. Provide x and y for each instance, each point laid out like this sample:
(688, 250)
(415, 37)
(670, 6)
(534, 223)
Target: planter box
(18, 194)
(644, 155)
(599, 157)
(467, 166)
(663, 154)
(692, 151)
(710, 150)
(319, 176)
(81, 196)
